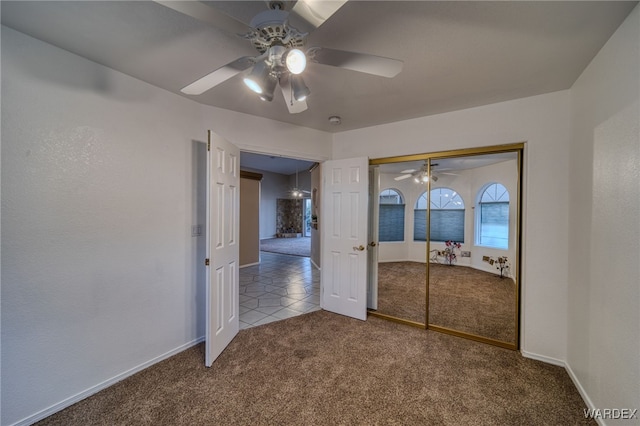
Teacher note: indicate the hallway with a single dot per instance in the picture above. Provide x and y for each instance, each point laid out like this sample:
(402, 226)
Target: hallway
(280, 287)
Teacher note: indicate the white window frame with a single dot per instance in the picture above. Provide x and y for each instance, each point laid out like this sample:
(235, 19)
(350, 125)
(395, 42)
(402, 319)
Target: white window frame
(478, 215)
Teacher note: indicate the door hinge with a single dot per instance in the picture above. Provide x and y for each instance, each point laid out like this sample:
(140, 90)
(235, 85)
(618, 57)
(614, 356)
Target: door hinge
(206, 262)
(208, 145)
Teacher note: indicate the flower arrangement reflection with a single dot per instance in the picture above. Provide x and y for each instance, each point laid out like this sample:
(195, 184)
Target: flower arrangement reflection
(501, 263)
(450, 252)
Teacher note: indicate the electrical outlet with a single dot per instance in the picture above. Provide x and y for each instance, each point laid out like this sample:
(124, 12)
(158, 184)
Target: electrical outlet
(465, 253)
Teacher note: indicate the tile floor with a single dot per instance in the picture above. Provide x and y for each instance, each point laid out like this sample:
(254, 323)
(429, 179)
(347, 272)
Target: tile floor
(280, 287)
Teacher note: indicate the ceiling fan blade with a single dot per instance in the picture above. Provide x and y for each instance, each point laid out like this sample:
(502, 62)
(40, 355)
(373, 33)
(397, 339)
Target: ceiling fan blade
(218, 76)
(447, 173)
(307, 15)
(204, 13)
(408, 171)
(362, 62)
(294, 106)
(402, 177)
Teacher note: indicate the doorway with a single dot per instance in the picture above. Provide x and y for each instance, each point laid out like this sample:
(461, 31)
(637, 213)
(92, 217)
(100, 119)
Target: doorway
(284, 281)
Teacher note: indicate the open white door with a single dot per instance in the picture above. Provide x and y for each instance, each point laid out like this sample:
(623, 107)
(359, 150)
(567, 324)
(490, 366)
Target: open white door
(344, 237)
(223, 209)
(372, 256)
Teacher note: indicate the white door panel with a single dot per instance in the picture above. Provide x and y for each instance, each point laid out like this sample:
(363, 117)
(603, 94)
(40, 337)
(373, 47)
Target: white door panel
(344, 254)
(223, 203)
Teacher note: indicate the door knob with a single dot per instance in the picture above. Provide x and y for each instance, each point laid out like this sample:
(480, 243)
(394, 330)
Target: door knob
(372, 243)
(359, 248)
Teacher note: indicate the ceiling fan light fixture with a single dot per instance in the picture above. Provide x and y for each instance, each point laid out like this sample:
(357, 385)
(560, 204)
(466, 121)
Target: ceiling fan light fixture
(257, 79)
(269, 88)
(423, 177)
(296, 61)
(300, 90)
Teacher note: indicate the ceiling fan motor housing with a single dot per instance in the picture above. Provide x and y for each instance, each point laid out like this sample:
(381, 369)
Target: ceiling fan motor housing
(272, 29)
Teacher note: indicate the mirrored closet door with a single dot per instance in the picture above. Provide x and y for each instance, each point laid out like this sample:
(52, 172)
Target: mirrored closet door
(449, 241)
(401, 242)
(473, 245)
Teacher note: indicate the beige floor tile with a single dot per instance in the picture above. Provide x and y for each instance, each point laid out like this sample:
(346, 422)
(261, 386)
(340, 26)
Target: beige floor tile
(286, 313)
(301, 306)
(269, 310)
(252, 316)
(266, 320)
(251, 303)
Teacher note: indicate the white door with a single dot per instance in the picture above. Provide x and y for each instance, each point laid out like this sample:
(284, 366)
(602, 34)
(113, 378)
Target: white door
(223, 205)
(374, 214)
(344, 237)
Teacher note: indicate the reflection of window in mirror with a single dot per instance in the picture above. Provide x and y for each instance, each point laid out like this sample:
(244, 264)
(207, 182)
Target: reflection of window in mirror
(447, 216)
(492, 217)
(391, 216)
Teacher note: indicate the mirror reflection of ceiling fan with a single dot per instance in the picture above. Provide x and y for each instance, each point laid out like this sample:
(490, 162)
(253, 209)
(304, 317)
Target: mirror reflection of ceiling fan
(279, 35)
(421, 175)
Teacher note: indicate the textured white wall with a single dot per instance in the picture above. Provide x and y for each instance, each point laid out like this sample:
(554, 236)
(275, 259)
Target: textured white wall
(97, 207)
(543, 123)
(604, 261)
(264, 136)
(102, 178)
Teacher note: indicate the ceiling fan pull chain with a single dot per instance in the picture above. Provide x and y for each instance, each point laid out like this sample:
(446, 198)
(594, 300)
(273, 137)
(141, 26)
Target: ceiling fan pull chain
(290, 91)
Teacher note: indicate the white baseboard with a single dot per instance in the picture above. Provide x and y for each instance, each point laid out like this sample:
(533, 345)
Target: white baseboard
(583, 392)
(543, 358)
(314, 264)
(100, 386)
(249, 264)
(574, 378)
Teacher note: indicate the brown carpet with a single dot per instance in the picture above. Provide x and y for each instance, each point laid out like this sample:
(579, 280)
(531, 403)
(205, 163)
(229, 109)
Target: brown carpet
(473, 301)
(461, 298)
(322, 368)
(292, 246)
(402, 290)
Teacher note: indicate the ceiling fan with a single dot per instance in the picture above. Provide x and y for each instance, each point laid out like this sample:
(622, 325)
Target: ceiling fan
(279, 37)
(421, 175)
(296, 192)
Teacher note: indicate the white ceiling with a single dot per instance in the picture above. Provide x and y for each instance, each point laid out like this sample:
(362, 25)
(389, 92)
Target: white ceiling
(456, 54)
(273, 163)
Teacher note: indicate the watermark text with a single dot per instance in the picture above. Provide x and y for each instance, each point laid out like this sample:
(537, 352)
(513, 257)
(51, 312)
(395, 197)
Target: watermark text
(611, 413)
